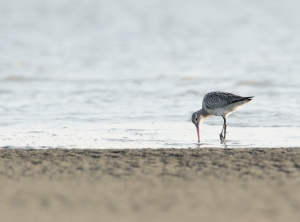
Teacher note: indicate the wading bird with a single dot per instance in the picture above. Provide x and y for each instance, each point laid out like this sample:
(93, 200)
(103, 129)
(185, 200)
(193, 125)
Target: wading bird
(218, 104)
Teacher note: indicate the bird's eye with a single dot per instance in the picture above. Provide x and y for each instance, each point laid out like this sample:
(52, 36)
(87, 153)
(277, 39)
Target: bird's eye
(196, 119)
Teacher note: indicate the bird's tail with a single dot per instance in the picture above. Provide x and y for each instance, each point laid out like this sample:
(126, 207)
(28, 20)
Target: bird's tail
(244, 100)
(249, 98)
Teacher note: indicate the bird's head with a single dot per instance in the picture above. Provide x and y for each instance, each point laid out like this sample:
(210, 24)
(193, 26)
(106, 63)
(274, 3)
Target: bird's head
(196, 119)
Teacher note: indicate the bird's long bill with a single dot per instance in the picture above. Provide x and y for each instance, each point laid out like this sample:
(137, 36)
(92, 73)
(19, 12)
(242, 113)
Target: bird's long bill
(198, 132)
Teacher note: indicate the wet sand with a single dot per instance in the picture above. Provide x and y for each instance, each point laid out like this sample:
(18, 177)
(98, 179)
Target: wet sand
(150, 185)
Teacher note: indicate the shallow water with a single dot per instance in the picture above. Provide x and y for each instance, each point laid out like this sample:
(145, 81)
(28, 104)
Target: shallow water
(153, 135)
(110, 74)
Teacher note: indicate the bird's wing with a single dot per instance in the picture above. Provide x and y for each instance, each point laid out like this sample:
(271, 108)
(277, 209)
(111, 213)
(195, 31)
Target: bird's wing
(216, 100)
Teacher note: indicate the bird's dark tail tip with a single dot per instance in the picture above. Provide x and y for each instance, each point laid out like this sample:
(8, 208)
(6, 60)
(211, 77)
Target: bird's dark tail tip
(249, 98)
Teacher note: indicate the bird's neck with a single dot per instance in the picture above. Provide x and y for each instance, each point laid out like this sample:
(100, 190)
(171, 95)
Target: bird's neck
(203, 115)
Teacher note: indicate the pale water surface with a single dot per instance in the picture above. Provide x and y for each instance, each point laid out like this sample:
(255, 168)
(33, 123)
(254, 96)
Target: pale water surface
(129, 74)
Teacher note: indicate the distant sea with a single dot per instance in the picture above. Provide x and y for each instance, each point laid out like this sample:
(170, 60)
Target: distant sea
(129, 74)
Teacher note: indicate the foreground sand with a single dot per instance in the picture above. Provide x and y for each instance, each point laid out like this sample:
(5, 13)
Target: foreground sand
(150, 185)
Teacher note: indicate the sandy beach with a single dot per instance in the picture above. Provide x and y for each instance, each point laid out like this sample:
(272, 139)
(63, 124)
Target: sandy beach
(150, 185)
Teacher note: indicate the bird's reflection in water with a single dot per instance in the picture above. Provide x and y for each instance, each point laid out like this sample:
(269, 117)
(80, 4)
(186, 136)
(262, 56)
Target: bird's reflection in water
(223, 142)
(204, 145)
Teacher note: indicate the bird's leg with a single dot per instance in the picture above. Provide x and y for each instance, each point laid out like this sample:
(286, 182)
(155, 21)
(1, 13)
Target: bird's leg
(221, 134)
(225, 126)
(223, 129)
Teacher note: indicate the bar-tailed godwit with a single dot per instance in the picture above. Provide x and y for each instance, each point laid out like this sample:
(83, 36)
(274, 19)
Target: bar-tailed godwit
(218, 104)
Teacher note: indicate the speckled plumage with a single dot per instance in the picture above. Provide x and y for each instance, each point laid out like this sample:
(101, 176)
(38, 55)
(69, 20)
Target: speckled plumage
(214, 100)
